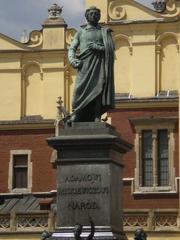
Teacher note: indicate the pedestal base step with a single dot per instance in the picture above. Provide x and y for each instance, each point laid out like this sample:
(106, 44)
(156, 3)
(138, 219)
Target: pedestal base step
(100, 234)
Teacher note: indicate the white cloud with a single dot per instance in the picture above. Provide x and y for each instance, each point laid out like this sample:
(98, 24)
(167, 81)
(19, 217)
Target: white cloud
(17, 15)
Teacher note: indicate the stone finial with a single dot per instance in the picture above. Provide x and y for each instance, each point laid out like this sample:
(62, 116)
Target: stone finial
(62, 115)
(54, 11)
(59, 108)
(159, 5)
(24, 37)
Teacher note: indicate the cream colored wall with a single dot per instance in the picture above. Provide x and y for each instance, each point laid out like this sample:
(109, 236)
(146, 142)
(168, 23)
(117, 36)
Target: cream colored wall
(34, 91)
(53, 38)
(32, 74)
(134, 49)
(168, 52)
(8, 43)
(144, 51)
(71, 87)
(122, 72)
(10, 95)
(31, 81)
(10, 89)
(49, 83)
(139, 71)
(43, 84)
(21, 236)
(53, 88)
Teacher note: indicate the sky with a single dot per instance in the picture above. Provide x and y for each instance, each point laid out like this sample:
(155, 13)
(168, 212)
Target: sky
(19, 15)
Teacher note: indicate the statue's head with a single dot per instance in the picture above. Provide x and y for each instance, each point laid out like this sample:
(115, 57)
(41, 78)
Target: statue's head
(77, 231)
(93, 14)
(140, 234)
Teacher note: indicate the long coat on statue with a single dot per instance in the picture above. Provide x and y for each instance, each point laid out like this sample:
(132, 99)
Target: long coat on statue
(95, 79)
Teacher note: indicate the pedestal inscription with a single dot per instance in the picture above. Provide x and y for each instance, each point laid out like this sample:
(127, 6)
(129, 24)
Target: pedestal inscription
(83, 191)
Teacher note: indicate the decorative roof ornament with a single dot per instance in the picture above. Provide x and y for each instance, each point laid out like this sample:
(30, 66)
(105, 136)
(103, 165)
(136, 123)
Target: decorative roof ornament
(54, 11)
(159, 5)
(24, 36)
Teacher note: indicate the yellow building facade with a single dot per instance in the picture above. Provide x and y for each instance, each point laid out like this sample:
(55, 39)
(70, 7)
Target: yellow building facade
(33, 73)
(37, 72)
(147, 74)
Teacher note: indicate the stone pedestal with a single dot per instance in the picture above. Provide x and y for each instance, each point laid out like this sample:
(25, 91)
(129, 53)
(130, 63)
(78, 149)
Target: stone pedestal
(89, 180)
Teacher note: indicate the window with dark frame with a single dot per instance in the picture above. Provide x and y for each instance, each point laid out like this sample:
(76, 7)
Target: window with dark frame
(162, 161)
(20, 171)
(155, 140)
(147, 160)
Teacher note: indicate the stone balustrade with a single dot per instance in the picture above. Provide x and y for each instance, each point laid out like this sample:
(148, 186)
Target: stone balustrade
(150, 220)
(27, 222)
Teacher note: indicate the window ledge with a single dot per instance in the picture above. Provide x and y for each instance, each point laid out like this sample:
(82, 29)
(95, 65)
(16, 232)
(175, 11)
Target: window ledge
(154, 192)
(20, 190)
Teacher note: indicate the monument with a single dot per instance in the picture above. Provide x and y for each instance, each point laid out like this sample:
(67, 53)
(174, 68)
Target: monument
(89, 152)
(94, 86)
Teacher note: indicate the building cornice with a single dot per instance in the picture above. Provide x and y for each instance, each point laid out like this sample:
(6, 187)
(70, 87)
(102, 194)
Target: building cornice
(64, 51)
(26, 124)
(153, 120)
(146, 103)
(151, 21)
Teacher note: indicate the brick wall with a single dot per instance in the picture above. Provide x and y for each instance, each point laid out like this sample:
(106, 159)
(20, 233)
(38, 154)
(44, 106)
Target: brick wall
(44, 176)
(120, 119)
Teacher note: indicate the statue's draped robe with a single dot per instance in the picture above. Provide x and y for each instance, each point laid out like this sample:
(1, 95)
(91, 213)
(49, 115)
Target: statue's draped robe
(95, 79)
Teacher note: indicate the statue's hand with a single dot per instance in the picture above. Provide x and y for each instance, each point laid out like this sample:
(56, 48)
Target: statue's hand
(96, 46)
(77, 63)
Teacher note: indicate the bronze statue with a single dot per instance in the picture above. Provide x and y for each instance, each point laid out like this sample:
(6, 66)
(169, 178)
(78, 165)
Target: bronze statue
(140, 234)
(45, 235)
(94, 86)
(78, 230)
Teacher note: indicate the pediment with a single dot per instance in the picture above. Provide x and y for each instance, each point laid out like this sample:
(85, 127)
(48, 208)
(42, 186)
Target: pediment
(7, 43)
(131, 10)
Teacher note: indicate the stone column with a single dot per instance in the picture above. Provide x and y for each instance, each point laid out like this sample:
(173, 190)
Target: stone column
(89, 180)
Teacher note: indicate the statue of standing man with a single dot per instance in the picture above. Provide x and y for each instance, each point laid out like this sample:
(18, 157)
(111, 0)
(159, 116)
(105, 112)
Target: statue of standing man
(94, 87)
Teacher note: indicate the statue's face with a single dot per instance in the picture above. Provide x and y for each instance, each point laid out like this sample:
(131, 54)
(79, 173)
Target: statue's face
(93, 16)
